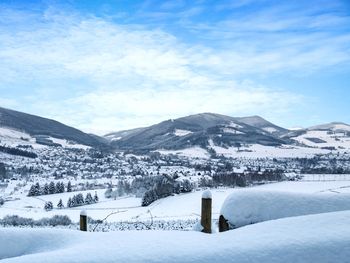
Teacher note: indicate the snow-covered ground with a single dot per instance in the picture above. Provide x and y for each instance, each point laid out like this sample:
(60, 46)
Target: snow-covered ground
(313, 238)
(13, 138)
(253, 151)
(183, 206)
(338, 140)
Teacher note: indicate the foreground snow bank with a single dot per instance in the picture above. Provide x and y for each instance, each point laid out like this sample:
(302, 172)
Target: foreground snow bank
(252, 206)
(314, 238)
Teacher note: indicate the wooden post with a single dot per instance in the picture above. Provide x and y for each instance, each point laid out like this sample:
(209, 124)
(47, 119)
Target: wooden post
(83, 221)
(206, 212)
(223, 225)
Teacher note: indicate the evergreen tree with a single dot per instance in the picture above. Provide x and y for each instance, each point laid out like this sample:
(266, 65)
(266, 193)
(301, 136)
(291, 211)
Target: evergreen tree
(52, 188)
(69, 202)
(32, 191)
(60, 204)
(48, 206)
(46, 189)
(37, 189)
(74, 201)
(2, 171)
(79, 199)
(96, 197)
(69, 187)
(58, 188)
(187, 186)
(89, 199)
(149, 197)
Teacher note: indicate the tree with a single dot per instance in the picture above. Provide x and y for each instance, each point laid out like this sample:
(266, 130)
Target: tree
(52, 188)
(32, 191)
(69, 202)
(149, 197)
(120, 188)
(2, 171)
(48, 206)
(237, 145)
(95, 197)
(108, 193)
(69, 187)
(59, 187)
(187, 186)
(79, 199)
(45, 189)
(60, 204)
(89, 199)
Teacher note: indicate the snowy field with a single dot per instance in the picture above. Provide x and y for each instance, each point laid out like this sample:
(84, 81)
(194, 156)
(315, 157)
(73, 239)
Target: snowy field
(313, 238)
(253, 151)
(298, 225)
(183, 206)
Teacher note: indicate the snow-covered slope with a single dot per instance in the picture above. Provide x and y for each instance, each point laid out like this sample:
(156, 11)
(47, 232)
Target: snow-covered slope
(334, 136)
(195, 131)
(39, 126)
(316, 238)
(14, 138)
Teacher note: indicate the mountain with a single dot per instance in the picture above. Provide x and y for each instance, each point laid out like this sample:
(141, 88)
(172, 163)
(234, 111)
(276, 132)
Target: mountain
(43, 129)
(258, 122)
(334, 136)
(199, 130)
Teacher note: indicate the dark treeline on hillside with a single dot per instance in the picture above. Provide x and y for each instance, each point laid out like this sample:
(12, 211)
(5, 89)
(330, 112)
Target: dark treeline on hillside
(16, 151)
(243, 180)
(152, 188)
(49, 189)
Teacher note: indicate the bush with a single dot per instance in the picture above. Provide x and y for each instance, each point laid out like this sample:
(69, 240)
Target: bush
(48, 206)
(14, 220)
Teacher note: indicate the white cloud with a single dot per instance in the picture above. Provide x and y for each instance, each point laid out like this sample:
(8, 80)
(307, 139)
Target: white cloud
(124, 76)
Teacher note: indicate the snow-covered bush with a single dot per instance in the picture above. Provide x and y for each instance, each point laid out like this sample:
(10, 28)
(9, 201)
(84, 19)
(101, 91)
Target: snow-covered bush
(48, 206)
(244, 207)
(57, 220)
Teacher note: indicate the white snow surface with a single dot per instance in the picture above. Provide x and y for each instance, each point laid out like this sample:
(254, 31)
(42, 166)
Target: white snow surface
(179, 132)
(183, 206)
(247, 207)
(313, 238)
(193, 152)
(270, 129)
(206, 194)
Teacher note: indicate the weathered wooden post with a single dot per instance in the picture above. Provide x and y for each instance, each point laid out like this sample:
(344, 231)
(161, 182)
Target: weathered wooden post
(206, 212)
(83, 221)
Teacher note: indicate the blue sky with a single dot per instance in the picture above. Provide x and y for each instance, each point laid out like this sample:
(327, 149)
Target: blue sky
(103, 66)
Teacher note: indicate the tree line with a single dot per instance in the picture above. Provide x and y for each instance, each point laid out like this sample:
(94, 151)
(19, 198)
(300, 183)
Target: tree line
(49, 188)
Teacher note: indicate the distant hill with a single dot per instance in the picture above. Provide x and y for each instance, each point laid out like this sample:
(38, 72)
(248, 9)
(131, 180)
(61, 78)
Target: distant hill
(40, 127)
(199, 130)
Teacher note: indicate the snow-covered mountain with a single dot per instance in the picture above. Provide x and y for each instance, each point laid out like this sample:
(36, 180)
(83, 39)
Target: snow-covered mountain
(199, 135)
(17, 128)
(203, 134)
(334, 136)
(200, 130)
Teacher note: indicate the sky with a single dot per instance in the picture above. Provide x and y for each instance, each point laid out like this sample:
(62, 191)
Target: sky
(104, 66)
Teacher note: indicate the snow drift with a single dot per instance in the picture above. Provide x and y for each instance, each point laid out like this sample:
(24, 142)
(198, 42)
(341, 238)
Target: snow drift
(252, 206)
(313, 238)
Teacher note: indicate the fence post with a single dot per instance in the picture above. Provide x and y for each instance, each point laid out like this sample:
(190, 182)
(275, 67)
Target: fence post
(83, 221)
(206, 211)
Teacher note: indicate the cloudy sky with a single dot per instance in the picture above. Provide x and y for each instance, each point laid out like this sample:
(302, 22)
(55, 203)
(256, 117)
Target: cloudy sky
(103, 66)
